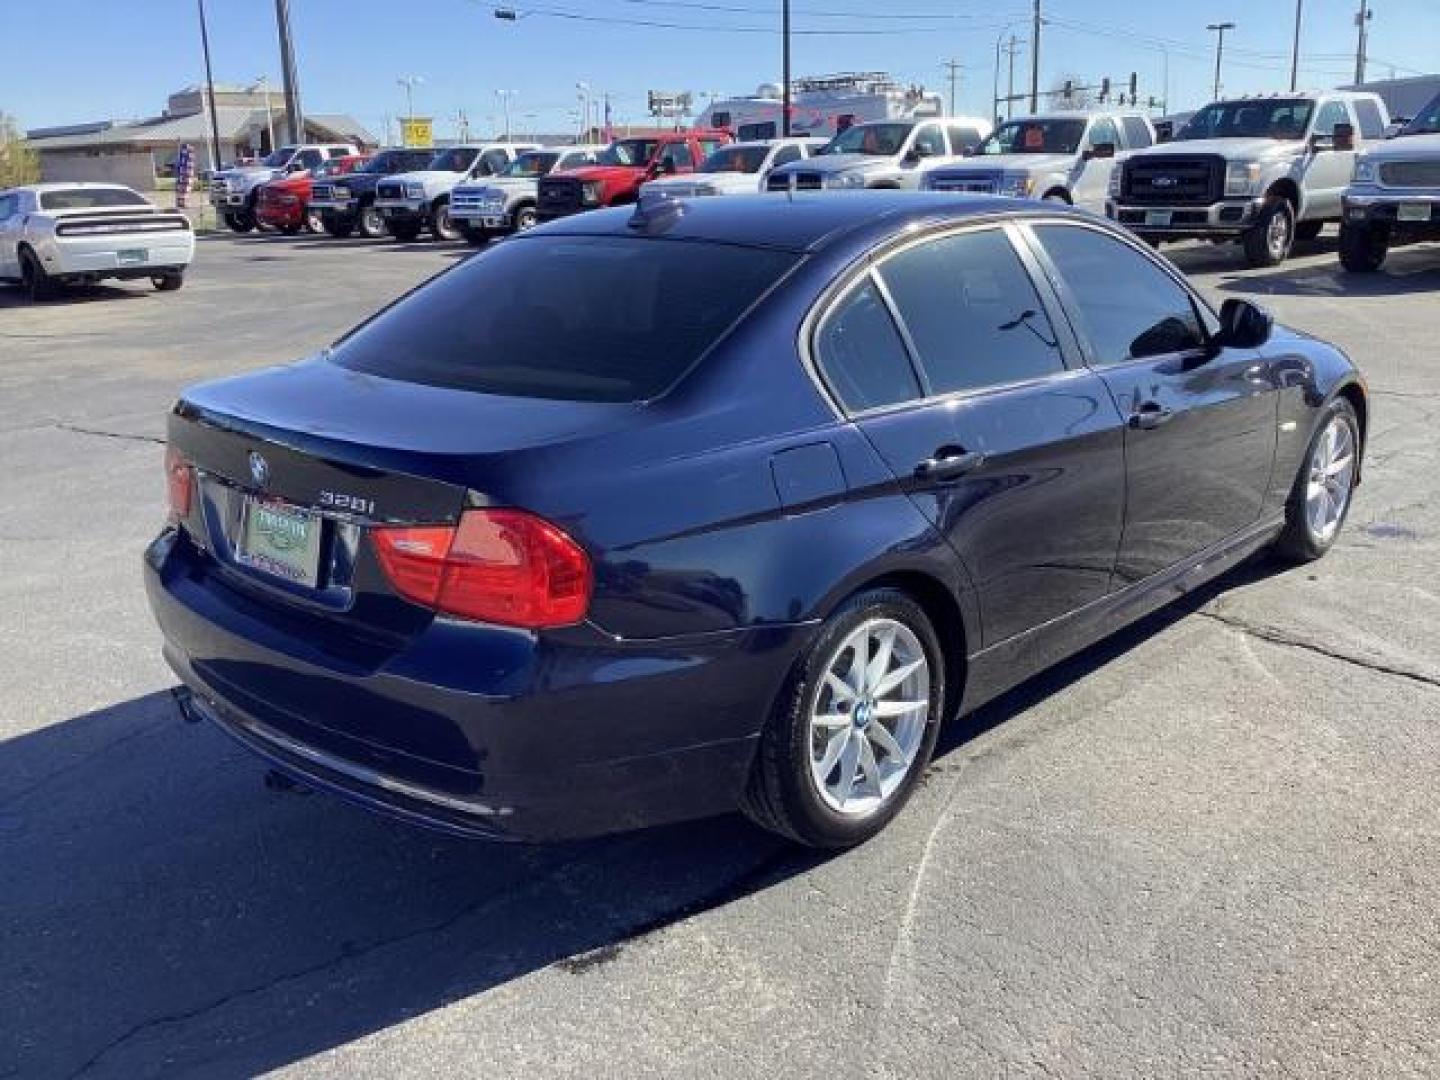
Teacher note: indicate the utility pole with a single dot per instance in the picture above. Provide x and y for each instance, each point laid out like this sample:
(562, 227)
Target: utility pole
(1012, 49)
(1362, 22)
(294, 120)
(269, 116)
(1220, 29)
(953, 66)
(785, 68)
(210, 91)
(505, 96)
(1035, 61)
(1295, 51)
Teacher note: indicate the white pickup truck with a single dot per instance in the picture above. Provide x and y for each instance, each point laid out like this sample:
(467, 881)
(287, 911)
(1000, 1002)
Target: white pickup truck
(420, 200)
(505, 202)
(63, 234)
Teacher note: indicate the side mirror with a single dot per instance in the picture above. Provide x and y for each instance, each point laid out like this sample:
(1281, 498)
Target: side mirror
(1101, 151)
(1344, 137)
(1243, 325)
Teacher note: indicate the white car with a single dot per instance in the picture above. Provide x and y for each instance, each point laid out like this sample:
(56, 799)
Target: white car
(410, 202)
(737, 169)
(62, 234)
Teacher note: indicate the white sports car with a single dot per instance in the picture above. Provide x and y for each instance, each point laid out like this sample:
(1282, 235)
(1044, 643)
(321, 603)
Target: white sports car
(59, 234)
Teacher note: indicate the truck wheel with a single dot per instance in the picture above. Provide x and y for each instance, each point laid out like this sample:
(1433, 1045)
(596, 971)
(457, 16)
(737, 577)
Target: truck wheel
(525, 218)
(314, 222)
(372, 223)
(240, 221)
(1309, 230)
(33, 278)
(339, 227)
(1363, 247)
(1268, 241)
(473, 234)
(168, 282)
(407, 231)
(442, 225)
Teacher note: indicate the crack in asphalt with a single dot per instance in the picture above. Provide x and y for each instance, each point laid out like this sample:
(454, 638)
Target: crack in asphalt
(126, 436)
(1280, 637)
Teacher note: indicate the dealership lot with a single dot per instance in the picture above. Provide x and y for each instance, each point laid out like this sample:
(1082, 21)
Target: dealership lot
(1209, 845)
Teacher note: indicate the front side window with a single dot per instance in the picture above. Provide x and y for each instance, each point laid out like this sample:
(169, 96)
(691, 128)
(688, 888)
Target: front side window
(1129, 308)
(1102, 132)
(456, 159)
(492, 162)
(861, 355)
(619, 318)
(963, 139)
(972, 312)
(629, 152)
(736, 159)
(709, 146)
(1331, 113)
(530, 165)
(1372, 124)
(930, 140)
(1035, 137)
(677, 155)
(786, 154)
(1426, 121)
(337, 152)
(576, 161)
(278, 159)
(1137, 132)
(311, 159)
(7, 207)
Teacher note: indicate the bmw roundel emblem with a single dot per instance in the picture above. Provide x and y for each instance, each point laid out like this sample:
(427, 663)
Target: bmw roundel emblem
(259, 469)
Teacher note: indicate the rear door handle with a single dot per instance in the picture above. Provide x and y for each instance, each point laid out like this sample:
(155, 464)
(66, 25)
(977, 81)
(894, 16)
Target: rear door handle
(949, 462)
(1150, 415)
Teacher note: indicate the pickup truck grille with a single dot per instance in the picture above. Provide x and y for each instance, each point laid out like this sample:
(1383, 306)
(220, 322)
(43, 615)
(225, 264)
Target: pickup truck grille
(471, 199)
(327, 193)
(387, 189)
(1410, 174)
(559, 195)
(1174, 181)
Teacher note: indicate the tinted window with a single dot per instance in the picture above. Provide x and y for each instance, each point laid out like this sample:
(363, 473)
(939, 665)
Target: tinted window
(1103, 131)
(311, 159)
(929, 139)
(963, 138)
(861, 353)
(88, 198)
(1427, 120)
(1372, 125)
(1129, 308)
(1331, 113)
(972, 312)
(492, 162)
(875, 140)
(735, 159)
(575, 318)
(337, 152)
(786, 154)
(677, 154)
(575, 161)
(1137, 132)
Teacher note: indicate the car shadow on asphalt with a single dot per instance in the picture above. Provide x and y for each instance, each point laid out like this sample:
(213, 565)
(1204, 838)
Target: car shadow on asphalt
(76, 294)
(164, 911)
(1411, 269)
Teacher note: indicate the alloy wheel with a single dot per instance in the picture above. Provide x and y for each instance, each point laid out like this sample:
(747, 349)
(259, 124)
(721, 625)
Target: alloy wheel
(869, 717)
(1277, 234)
(1332, 475)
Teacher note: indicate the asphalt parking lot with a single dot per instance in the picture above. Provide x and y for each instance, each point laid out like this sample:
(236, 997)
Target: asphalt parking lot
(1210, 846)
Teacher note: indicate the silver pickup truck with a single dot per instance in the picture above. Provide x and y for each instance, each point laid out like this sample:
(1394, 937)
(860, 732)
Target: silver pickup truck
(1260, 171)
(881, 154)
(505, 202)
(1394, 193)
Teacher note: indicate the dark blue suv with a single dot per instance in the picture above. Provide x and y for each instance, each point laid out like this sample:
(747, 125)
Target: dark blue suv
(649, 515)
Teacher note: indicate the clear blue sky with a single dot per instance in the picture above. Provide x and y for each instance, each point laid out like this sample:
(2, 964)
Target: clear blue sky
(91, 59)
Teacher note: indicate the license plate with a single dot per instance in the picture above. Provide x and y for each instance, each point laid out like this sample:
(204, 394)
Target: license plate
(1157, 217)
(132, 256)
(282, 541)
(1413, 211)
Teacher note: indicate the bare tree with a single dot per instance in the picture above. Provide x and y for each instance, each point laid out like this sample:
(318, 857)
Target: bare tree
(19, 164)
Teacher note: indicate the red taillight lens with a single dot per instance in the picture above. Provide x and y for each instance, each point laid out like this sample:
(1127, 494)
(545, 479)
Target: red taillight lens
(179, 483)
(499, 566)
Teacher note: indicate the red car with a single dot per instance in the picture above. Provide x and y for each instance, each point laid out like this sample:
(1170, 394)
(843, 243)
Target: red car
(285, 204)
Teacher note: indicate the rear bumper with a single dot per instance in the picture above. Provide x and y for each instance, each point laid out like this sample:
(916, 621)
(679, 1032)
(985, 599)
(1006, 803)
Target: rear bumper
(1229, 217)
(117, 256)
(472, 729)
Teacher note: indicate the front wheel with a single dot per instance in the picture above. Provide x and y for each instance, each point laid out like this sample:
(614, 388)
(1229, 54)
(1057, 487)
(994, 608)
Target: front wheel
(1363, 247)
(1321, 496)
(442, 226)
(33, 278)
(854, 727)
(525, 219)
(314, 222)
(372, 223)
(1268, 241)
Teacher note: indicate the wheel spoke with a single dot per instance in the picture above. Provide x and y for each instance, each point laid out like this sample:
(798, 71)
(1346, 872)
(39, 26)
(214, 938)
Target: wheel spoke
(897, 677)
(833, 749)
(849, 761)
(832, 720)
(870, 768)
(840, 690)
(1338, 465)
(881, 663)
(859, 660)
(889, 709)
(880, 735)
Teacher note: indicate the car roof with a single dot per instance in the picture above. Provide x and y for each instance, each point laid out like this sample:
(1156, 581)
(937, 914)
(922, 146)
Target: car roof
(790, 222)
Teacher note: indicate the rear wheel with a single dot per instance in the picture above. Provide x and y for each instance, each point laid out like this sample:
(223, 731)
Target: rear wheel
(168, 282)
(1363, 247)
(372, 223)
(525, 218)
(33, 278)
(1057, 195)
(854, 727)
(404, 230)
(1320, 498)
(442, 226)
(1268, 241)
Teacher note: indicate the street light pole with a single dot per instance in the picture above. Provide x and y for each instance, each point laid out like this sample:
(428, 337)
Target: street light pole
(785, 68)
(294, 120)
(1220, 29)
(1295, 51)
(584, 89)
(210, 90)
(1362, 21)
(1035, 61)
(505, 95)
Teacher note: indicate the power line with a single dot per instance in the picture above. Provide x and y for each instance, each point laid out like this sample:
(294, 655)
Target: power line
(714, 28)
(814, 13)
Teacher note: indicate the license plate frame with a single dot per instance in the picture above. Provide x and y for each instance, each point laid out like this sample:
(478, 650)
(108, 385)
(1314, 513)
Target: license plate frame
(132, 257)
(1159, 218)
(280, 541)
(1412, 211)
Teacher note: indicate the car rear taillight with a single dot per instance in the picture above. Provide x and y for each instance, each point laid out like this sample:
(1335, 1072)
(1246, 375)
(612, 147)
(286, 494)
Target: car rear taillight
(179, 483)
(498, 566)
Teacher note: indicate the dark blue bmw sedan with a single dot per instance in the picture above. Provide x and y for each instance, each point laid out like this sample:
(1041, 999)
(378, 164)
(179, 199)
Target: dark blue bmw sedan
(724, 504)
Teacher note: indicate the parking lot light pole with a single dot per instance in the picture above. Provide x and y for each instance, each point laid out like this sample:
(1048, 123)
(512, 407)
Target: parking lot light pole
(409, 82)
(785, 68)
(584, 90)
(294, 118)
(1219, 29)
(210, 90)
(1035, 61)
(505, 96)
(1295, 51)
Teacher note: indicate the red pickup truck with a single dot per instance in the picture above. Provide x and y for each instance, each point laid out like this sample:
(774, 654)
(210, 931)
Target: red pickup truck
(285, 204)
(623, 166)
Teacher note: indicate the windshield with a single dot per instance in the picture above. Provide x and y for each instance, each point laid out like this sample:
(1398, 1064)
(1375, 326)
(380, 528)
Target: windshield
(532, 164)
(279, 157)
(1269, 119)
(629, 152)
(456, 159)
(1035, 137)
(1427, 120)
(874, 140)
(736, 159)
(90, 198)
(333, 167)
(619, 318)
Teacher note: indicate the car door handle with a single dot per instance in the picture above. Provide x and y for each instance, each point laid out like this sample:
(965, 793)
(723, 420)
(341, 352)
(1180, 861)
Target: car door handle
(1150, 416)
(949, 462)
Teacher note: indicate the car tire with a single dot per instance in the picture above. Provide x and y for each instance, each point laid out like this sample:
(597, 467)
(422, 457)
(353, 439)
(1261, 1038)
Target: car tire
(1309, 230)
(1324, 486)
(474, 236)
(372, 223)
(240, 221)
(339, 228)
(168, 282)
(407, 231)
(34, 280)
(817, 732)
(442, 225)
(1363, 247)
(1058, 195)
(314, 222)
(1269, 240)
(525, 219)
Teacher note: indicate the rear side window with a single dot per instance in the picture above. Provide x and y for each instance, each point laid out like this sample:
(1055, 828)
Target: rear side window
(1137, 132)
(1372, 125)
(785, 155)
(861, 354)
(1331, 114)
(570, 318)
(972, 312)
(1129, 308)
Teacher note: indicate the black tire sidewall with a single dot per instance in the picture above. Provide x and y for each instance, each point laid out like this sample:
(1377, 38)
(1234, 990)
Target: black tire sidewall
(1297, 540)
(366, 231)
(1257, 239)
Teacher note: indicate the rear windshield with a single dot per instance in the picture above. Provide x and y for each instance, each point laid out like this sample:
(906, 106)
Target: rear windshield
(89, 198)
(574, 318)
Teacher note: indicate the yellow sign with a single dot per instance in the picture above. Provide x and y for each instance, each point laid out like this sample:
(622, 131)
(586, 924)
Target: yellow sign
(416, 131)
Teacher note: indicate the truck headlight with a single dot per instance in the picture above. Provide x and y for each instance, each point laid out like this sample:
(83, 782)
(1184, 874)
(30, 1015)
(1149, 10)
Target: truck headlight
(1242, 178)
(845, 180)
(1018, 186)
(1364, 172)
(590, 193)
(414, 191)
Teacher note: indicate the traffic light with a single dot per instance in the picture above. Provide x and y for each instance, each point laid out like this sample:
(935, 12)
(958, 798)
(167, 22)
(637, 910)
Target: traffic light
(1105, 88)
(1133, 83)
(1069, 89)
